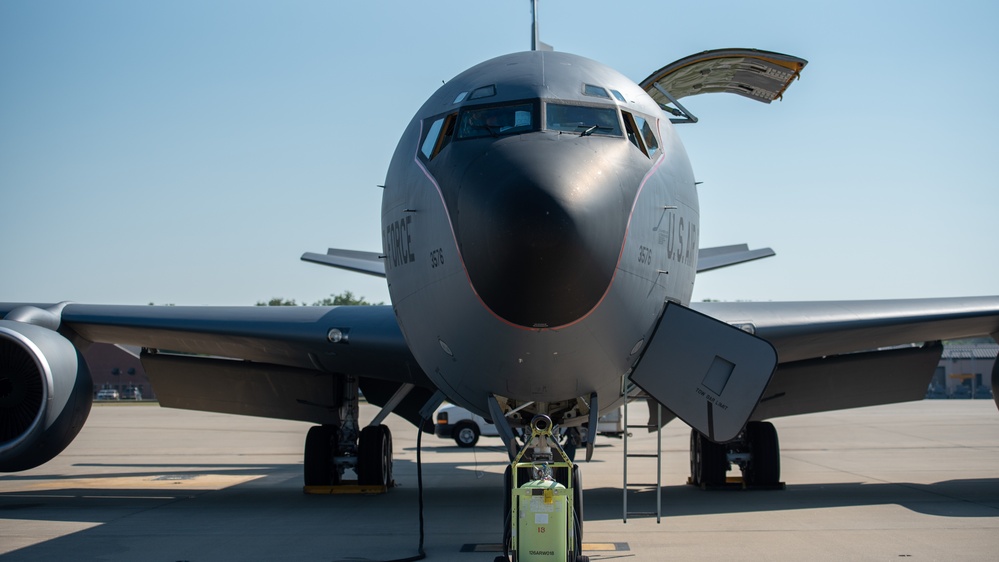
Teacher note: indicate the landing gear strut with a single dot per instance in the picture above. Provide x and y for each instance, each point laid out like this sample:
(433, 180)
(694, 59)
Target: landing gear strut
(332, 449)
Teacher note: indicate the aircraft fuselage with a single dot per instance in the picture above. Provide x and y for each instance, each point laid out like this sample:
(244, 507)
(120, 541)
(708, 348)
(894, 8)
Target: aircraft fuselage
(538, 212)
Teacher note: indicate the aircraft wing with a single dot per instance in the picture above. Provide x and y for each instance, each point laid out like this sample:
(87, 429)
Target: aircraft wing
(265, 361)
(847, 354)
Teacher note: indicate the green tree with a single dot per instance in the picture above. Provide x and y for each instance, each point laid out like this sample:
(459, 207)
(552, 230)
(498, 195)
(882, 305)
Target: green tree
(345, 298)
(277, 301)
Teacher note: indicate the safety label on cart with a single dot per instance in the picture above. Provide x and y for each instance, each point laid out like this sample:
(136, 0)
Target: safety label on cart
(538, 505)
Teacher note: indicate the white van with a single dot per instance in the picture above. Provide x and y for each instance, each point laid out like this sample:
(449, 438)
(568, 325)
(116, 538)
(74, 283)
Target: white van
(465, 427)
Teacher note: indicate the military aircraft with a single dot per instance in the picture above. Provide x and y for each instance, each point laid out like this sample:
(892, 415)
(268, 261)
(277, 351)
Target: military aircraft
(540, 230)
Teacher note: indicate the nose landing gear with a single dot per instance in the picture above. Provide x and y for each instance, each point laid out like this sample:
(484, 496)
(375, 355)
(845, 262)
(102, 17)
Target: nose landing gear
(543, 518)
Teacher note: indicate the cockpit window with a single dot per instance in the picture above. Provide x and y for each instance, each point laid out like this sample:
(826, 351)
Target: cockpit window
(430, 140)
(647, 135)
(460, 97)
(437, 135)
(618, 95)
(631, 131)
(483, 92)
(582, 119)
(596, 91)
(639, 131)
(497, 120)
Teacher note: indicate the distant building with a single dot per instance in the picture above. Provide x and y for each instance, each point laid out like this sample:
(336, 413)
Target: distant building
(114, 368)
(964, 371)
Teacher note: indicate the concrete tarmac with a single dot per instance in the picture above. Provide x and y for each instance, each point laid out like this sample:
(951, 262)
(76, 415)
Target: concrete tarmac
(917, 481)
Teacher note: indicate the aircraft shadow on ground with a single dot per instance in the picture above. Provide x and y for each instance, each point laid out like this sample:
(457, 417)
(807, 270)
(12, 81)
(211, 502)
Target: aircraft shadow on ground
(55, 503)
(162, 511)
(482, 479)
(951, 498)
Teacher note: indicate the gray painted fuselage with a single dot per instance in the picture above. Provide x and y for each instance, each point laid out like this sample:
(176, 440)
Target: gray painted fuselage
(534, 265)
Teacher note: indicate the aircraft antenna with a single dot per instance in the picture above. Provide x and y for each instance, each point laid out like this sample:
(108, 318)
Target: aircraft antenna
(536, 43)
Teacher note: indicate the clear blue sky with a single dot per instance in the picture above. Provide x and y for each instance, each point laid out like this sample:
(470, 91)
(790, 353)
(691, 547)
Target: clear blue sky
(188, 152)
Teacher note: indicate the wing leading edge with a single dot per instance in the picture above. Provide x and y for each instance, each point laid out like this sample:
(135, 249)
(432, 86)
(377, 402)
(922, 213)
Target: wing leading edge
(275, 362)
(806, 330)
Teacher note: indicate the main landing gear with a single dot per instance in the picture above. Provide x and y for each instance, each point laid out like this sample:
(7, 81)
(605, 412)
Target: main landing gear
(756, 452)
(332, 449)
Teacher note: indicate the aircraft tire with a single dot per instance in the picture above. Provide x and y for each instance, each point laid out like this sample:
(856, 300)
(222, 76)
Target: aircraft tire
(570, 446)
(694, 459)
(318, 466)
(764, 467)
(708, 463)
(374, 457)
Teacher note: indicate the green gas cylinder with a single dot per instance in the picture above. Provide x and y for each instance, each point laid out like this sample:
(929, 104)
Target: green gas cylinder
(541, 528)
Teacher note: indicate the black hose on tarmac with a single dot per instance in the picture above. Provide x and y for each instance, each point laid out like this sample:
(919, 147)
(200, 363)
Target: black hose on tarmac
(419, 483)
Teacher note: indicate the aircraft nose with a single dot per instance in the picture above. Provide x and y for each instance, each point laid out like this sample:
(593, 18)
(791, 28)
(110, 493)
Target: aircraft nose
(540, 226)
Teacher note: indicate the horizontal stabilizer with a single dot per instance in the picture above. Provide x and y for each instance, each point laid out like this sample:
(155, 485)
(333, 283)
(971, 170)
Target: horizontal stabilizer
(724, 256)
(370, 263)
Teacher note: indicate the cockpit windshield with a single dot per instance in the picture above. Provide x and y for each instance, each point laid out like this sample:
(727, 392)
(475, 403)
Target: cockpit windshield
(516, 118)
(582, 119)
(497, 120)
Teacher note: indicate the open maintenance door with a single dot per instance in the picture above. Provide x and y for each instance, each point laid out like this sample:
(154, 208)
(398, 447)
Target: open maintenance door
(710, 374)
(759, 75)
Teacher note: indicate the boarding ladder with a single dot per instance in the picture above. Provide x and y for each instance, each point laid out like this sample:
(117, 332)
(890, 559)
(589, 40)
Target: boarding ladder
(658, 455)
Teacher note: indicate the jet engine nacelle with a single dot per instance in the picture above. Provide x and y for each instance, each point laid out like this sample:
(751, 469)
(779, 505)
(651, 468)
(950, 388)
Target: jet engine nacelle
(45, 394)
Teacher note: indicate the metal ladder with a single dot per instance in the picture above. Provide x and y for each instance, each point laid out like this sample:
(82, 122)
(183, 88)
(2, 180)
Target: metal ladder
(658, 455)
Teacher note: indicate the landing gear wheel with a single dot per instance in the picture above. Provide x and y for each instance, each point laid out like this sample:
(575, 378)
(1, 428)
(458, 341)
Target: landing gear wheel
(572, 441)
(764, 464)
(374, 457)
(465, 434)
(708, 462)
(318, 467)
